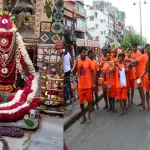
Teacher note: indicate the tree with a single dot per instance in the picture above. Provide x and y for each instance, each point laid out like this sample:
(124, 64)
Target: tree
(132, 38)
(126, 45)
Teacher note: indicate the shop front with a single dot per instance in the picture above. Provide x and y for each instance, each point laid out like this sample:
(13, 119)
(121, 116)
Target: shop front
(89, 44)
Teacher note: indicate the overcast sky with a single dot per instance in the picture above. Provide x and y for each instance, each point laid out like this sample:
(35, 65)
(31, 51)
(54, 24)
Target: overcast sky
(133, 14)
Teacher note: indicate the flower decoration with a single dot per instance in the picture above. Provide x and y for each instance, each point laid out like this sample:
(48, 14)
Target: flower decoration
(11, 97)
(53, 71)
(7, 20)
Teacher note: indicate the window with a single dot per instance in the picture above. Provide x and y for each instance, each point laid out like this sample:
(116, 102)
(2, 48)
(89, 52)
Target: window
(102, 21)
(101, 32)
(92, 18)
(65, 21)
(92, 29)
(96, 26)
(111, 26)
(80, 8)
(97, 38)
(96, 15)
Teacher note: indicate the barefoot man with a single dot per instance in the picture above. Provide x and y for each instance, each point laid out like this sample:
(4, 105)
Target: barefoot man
(136, 55)
(121, 85)
(102, 60)
(142, 60)
(96, 71)
(110, 82)
(86, 82)
(130, 77)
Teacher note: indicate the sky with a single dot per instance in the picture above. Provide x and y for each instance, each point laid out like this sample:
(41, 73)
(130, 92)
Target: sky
(133, 14)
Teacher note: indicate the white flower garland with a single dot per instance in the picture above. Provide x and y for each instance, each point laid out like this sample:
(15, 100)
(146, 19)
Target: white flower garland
(25, 55)
(34, 86)
(17, 98)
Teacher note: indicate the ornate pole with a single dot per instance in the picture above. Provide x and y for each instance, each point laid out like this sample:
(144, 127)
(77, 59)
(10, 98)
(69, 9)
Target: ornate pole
(43, 85)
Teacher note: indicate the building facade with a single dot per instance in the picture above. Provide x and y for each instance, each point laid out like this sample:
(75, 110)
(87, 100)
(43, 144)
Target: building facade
(105, 22)
(75, 25)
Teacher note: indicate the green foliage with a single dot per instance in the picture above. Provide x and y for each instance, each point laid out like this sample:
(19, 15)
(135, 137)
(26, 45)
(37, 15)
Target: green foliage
(132, 38)
(126, 45)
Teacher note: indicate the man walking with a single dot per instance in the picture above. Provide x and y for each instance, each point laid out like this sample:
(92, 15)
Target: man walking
(96, 71)
(86, 82)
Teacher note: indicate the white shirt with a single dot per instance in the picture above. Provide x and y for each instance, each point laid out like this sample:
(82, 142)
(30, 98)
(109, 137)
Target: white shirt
(67, 66)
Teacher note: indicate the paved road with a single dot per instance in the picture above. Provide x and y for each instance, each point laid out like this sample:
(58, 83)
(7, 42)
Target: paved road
(111, 131)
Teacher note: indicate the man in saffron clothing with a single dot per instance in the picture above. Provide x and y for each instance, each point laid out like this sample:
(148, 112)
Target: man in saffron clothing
(130, 76)
(96, 71)
(146, 75)
(114, 54)
(103, 75)
(110, 82)
(86, 82)
(121, 86)
(142, 60)
(136, 55)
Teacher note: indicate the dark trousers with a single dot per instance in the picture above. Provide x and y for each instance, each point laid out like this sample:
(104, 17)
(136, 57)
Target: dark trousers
(67, 84)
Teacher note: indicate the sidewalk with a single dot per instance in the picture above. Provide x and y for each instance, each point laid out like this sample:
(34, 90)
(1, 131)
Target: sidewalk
(49, 135)
(71, 116)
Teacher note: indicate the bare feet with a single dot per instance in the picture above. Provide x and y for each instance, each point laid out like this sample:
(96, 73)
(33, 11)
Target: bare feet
(125, 111)
(89, 121)
(147, 110)
(83, 120)
(142, 109)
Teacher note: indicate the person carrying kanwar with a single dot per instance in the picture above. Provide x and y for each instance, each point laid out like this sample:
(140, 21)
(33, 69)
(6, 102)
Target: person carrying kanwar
(121, 86)
(110, 82)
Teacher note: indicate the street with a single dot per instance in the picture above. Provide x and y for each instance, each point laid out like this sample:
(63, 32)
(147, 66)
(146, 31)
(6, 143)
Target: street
(109, 131)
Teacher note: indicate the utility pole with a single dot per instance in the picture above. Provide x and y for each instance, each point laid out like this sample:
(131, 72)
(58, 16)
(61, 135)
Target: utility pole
(141, 24)
(140, 8)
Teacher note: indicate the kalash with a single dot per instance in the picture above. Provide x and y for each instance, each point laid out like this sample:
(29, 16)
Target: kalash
(14, 62)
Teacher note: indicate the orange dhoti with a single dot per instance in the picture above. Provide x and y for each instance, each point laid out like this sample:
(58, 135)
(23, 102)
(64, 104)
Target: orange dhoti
(112, 92)
(147, 84)
(131, 83)
(85, 95)
(121, 93)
